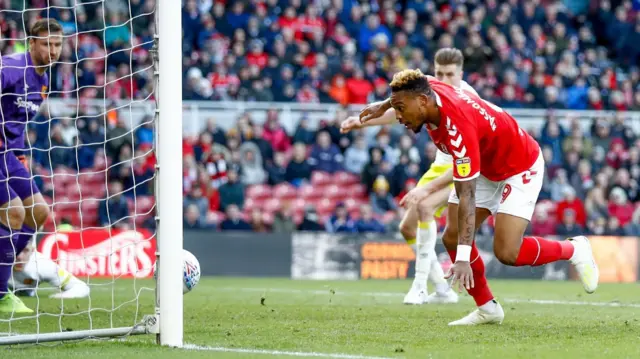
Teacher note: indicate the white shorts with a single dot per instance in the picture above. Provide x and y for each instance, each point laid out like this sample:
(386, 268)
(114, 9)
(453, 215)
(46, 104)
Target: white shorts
(517, 195)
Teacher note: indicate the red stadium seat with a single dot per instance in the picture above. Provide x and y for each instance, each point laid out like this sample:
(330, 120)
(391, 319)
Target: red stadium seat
(354, 203)
(267, 218)
(297, 205)
(92, 178)
(284, 191)
(325, 206)
(319, 178)
(259, 191)
(334, 191)
(388, 217)
(357, 191)
(272, 205)
(309, 192)
(345, 178)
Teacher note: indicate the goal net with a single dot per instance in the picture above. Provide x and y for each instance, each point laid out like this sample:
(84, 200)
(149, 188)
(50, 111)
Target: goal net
(113, 192)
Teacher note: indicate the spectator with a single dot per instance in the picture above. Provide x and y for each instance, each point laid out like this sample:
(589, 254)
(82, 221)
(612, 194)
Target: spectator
(299, 168)
(356, 156)
(277, 170)
(367, 223)
(570, 201)
(257, 221)
(568, 227)
(373, 169)
(325, 156)
(559, 185)
(196, 198)
(283, 221)
(542, 224)
(381, 200)
(234, 221)
(633, 228)
(195, 219)
(619, 206)
(275, 134)
(231, 192)
(303, 133)
(310, 221)
(613, 227)
(597, 226)
(114, 210)
(340, 221)
(596, 204)
(252, 167)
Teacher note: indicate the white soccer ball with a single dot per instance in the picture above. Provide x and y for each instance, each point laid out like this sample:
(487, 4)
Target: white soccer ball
(190, 271)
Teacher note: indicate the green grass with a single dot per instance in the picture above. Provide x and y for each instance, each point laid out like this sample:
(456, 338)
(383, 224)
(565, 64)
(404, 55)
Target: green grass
(350, 318)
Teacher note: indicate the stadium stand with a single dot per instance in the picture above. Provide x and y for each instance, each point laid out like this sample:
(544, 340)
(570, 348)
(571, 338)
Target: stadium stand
(519, 54)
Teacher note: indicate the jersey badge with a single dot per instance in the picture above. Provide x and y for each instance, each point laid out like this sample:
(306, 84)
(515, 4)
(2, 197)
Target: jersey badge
(463, 166)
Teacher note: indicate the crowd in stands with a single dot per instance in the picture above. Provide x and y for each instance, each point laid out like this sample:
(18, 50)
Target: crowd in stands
(261, 178)
(571, 54)
(535, 54)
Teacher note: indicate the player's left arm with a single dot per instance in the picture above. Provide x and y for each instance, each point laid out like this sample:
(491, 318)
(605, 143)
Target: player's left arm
(466, 191)
(463, 144)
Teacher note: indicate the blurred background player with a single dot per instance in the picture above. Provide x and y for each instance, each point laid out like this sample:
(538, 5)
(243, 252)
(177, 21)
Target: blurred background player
(32, 268)
(503, 178)
(418, 221)
(23, 84)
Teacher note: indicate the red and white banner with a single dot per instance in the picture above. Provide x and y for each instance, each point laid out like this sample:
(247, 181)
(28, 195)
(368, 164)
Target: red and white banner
(102, 253)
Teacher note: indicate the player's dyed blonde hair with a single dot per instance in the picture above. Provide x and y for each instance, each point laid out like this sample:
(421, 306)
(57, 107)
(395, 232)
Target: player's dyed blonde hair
(410, 80)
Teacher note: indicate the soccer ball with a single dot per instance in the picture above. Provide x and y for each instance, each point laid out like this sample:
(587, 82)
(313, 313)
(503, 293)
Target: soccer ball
(190, 271)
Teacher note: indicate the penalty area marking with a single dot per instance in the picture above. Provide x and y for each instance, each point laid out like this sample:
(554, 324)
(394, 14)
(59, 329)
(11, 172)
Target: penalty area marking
(278, 352)
(399, 295)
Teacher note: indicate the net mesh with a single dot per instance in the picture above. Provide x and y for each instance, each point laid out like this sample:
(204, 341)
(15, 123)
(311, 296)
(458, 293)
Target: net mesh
(90, 150)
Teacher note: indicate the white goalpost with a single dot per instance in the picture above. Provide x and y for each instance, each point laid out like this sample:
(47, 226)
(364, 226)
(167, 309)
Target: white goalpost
(115, 261)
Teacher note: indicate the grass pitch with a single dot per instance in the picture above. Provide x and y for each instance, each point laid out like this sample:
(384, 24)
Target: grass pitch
(266, 318)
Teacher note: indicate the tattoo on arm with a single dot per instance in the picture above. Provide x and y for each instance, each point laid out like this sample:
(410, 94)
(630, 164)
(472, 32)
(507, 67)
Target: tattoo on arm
(466, 191)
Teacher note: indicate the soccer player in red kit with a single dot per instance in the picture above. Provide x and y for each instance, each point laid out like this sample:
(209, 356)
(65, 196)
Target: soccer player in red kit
(497, 169)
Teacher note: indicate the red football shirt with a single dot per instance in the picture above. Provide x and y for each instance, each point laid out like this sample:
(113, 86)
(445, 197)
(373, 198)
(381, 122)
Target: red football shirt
(481, 137)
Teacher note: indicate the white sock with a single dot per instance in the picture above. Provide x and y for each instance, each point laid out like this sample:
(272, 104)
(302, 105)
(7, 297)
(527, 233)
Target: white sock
(489, 306)
(436, 275)
(426, 243)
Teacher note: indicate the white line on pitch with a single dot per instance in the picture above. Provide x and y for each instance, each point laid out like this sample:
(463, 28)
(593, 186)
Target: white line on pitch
(279, 352)
(398, 295)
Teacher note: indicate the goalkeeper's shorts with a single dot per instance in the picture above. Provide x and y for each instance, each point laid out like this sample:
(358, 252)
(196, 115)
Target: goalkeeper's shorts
(15, 179)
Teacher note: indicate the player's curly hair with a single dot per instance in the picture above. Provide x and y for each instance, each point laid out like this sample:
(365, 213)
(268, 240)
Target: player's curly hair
(410, 80)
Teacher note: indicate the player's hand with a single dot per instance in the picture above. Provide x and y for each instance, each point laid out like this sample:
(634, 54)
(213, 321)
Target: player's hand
(374, 110)
(415, 196)
(351, 123)
(462, 275)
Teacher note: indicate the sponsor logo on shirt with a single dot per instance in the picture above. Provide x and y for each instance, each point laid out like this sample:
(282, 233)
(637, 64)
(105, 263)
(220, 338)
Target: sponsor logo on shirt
(463, 166)
(21, 103)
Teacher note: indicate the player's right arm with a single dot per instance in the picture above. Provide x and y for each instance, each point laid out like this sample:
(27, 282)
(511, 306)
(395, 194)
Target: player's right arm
(353, 122)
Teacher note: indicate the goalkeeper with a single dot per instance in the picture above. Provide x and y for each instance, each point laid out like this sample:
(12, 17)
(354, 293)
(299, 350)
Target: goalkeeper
(33, 268)
(23, 87)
